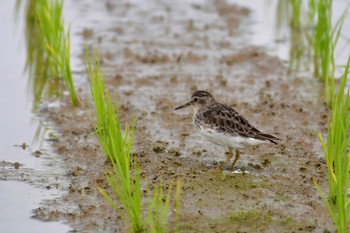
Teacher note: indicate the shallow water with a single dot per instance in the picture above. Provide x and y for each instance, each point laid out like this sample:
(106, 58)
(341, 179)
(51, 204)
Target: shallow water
(277, 41)
(20, 159)
(17, 200)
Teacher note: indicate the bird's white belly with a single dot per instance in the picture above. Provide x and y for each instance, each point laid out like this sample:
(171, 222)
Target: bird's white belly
(233, 142)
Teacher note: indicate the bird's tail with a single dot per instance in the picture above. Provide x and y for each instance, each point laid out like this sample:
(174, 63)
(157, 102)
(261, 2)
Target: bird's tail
(269, 137)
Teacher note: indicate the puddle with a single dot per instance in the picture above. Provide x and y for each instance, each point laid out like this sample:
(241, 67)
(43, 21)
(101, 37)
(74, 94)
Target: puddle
(17, 201)
(238, 171)
(20, 158)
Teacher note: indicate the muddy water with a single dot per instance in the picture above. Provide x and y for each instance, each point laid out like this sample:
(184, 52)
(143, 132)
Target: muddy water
(155, 55)
(21, 160)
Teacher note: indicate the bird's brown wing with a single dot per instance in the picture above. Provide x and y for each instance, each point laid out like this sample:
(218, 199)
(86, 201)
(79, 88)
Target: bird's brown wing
(227, 120)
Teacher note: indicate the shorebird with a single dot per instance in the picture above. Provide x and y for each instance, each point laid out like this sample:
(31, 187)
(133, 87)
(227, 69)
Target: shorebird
(224, 126)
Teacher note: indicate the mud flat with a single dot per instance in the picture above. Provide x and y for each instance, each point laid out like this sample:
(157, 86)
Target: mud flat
(155, 55)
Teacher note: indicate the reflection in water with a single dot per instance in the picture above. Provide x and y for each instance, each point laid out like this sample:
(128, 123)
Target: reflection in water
(47, 60)
(43, 81)
(48, 51)
(300, 51)
(19, 160)
(41, 132)
(291, 18)
(312, 36)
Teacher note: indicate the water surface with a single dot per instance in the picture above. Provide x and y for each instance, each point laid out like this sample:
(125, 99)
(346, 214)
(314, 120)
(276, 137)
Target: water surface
(18, 127)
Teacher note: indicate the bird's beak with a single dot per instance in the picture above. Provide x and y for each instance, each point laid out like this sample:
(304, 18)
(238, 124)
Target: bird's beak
(183, 106)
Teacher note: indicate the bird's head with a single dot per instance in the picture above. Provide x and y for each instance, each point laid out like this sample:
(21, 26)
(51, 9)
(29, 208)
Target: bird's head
(199, 99)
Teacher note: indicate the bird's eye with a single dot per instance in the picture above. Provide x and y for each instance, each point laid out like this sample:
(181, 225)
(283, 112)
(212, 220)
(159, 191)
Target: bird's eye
(195, 99)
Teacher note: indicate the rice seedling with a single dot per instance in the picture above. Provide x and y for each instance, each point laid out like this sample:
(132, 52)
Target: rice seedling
(56, 42)
(311, 27)
(48, 50)
(322, 42)
(338, 157)
(40, 84)
(158, 209)
(177, 209)
(323, 37)
(124, 178)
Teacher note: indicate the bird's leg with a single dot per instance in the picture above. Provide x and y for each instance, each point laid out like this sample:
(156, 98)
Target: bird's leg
(229, 156)
(234, 161)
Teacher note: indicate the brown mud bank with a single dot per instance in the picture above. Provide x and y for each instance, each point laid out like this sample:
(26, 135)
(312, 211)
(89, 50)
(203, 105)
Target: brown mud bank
(154, 55)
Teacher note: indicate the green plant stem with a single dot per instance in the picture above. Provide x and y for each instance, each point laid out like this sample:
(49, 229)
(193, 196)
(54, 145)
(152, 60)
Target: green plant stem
(337, 156)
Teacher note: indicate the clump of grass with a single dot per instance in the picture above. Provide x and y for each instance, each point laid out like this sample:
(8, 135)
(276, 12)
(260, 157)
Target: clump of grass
(178, 206)
(322, 39)
(325, 40)
(48, 50)
(158, 209)
(124, 178)
(311, 27)
(56, 42)
(40, 84)
(338, 157)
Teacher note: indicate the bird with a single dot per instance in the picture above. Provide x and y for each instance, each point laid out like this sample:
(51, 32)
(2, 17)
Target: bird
(224, 126)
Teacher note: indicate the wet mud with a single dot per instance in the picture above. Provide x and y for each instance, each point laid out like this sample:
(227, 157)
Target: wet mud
(155, 55)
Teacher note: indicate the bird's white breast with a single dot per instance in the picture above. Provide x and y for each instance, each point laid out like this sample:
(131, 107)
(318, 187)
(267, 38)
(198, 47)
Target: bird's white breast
(224, 139)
